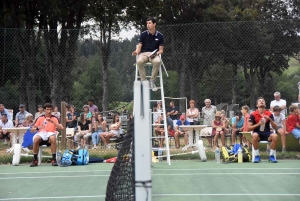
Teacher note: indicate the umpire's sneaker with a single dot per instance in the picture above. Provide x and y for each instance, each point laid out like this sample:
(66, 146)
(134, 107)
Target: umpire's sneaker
(272, 159)
(34, 163)
(257, 159)
(153, 86)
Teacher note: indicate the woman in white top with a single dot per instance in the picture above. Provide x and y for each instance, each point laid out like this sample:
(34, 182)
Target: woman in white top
(114, 131)
(192, 113)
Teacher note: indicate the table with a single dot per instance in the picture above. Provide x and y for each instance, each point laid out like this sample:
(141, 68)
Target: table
(190, 128)
(15, 132)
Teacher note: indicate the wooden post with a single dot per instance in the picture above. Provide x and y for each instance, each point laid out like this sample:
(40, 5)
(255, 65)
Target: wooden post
(63, 122)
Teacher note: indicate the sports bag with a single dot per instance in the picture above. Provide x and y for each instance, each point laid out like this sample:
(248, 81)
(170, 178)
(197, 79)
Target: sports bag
(74, 157)
(229, 154)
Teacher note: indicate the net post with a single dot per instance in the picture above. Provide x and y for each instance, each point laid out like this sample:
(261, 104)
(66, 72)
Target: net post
(142, 134)
(63, 122)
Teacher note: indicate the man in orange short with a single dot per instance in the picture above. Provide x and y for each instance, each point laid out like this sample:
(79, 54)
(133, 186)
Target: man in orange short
(46, 126)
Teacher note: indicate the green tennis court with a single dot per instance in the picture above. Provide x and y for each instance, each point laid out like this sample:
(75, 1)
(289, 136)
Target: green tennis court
(183, 180)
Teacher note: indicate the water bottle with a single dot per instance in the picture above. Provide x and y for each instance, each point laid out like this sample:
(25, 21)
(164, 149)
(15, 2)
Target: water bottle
(160, 154)
(217, 155)
(262, 127)
(58, 157)
(240, 155)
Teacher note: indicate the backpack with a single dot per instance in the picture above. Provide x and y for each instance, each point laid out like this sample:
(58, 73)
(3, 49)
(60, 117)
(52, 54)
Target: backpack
(230, 154)
(74, 157)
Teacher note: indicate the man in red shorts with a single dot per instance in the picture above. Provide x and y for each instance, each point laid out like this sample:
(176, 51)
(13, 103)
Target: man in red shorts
(46, 126)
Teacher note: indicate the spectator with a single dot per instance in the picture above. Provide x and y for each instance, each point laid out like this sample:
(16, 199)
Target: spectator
(20, 116)
(3, 110)
(180, 131)
(56, 112)
(293, 122)
(172, 112)
(28, 121)
(71, 118)
(114, 131)
(237, 126)
(92, 106)
(225, 122)
(159, 106)
(5, 123)
(208, 113)
(279, 119)
(259, 123)
(84, 131)
(124, 111)
(159, 129)
(39, 112)
(192, 113)
(278, 101)
(87, 114)
(245, 111)
(99, 126)
(218, 129)
(46, 126)
(156, 115)
(149, 41)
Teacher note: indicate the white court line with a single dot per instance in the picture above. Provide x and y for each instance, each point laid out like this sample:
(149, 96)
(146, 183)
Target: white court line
(198, 169)
(153, 195)
(193, 174)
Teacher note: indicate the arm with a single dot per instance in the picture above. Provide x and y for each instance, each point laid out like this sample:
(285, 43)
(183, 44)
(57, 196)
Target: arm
(234, 122)
(17, 120)
(271, 119)
(196, 115)
(160, 50)
(213, 124)
(137, 50)
(90, 128)
(57, 125)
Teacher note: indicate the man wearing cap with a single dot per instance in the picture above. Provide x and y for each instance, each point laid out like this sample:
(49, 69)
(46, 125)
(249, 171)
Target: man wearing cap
(278, 101)
(20, 116)
(180, 131)
(5, 123)
(5, 111)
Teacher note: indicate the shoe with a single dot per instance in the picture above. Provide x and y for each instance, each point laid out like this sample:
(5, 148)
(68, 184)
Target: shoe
(283, 150)
(108, 146)
(78, 147)
(272, 159)
(34, 163)
(94, 148)
(54, 162)
(153, 86)
(257, 159)
(268, 151)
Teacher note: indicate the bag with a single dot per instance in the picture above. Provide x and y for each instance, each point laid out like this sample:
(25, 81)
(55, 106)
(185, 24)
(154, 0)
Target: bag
(74, 157)
(230, 154)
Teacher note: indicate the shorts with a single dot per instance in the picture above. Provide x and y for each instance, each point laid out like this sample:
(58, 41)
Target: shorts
(44, 137)
(172, 133)
(45, 142)
(264, 136)
(6, 136)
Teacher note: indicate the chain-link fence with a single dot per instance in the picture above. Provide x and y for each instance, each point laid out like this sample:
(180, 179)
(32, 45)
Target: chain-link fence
(231, 63)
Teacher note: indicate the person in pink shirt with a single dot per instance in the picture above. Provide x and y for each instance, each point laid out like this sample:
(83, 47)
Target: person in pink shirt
(293, 122)
(245, 111)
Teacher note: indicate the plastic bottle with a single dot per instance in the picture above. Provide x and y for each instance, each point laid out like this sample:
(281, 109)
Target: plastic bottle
(262, 127)
(240, 155)
(58, 157)
(217, 155)
(160, 154)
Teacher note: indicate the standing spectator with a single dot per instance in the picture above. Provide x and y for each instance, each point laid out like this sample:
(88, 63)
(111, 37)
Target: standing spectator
(92, 106)
(149, 41)
(293, 122)
(87, 114)
(278, 101)
(237, 126)
(20, 116)
(99, 126)
(5, 123)
(172, 112)
(56, 112)
(84, 131)
(279, 119)
(3, 110)
(39, 112)
(71, 118)
(259, 122)
(208, 114)
(180, 131)
(192, 113)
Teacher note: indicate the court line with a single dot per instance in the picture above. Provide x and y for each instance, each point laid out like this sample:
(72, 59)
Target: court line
(55, 172)
(155, 195)
(186, 174)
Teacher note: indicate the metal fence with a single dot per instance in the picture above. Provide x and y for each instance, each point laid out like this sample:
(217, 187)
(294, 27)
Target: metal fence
(231, 63)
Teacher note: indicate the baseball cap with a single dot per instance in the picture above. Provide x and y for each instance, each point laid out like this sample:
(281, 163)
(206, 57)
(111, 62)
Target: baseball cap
(21, 105)
(182, 117)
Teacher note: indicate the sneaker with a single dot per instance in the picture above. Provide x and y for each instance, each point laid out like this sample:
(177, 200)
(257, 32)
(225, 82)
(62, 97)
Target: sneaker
(54, 162)
(257, 159)
(34, 163)
(283, 150)
(94, 147)
(153, 86)
(79, 147)
(272, 159)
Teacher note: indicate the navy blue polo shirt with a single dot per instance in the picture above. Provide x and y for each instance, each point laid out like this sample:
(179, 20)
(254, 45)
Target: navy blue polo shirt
(151, 42)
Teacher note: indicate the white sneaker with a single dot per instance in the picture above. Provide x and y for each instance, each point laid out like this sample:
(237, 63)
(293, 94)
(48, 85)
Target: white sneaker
(78, 147)
(153, 86)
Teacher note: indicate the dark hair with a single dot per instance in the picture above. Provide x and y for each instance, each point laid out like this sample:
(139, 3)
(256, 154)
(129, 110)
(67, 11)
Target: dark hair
(48, 105)
(81, 118)
(239, 113)
(151, 19)
(259, 98)
(155, 105)
(114, 118)
(4, 114)
(276, 108)
(91, 101)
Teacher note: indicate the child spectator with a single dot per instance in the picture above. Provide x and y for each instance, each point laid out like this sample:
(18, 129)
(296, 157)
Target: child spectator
(279, 119)
(218, 128)
(293, 122)
(237, 126)
(245, 111)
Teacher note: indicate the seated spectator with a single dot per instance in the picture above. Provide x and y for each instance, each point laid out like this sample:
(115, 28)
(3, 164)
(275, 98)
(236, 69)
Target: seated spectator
(84, 131)
(88, 115)
(5, 111)
(39, 112)
(279, 119)
(99, 126)
(225, 122)
(5, 123)
(245, 111)
(114, 131)
(159, 106)
(27, 123)
(155, 115)
(218, 129)
(279, 102)
(71, 118)
(56, 112)
(20, 116)
(180, 131)
(159, 129)
(124, 111)
(293, 122)
(237, 126)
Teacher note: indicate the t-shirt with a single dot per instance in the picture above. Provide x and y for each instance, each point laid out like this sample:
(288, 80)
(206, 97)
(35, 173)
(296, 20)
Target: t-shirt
(49, 127)
(246, 121)
(255, 117)
(173, 117)
(279, 103)
(291, 122)
(209, 114)
(279, 120)
(93, 108)
(179, 123)
(169, 123)
(72, 124)
(239, 124)
(8, 124)
(85, 126)
(8, 114)
(21, 116)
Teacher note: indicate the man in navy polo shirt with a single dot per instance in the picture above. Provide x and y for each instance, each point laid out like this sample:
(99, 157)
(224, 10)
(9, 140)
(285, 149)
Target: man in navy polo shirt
(149, 41)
